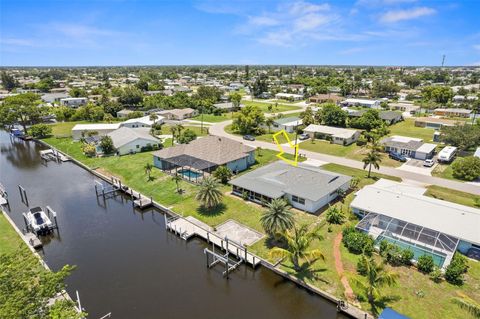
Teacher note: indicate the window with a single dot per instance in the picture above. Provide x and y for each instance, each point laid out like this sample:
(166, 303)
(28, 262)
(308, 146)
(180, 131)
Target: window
(299, 200)
(138, 146)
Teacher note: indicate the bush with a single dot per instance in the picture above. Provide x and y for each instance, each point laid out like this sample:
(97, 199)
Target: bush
(334, 215)
(407, 256)
(40, 130)
(347, 230)
(223, 174)
(456, 269)
(106, 144)
(187, 136)
(358, 242)
(362, 265)
(425, 264)
(89, 150)
(467, 168)
(384, 247)
(436, 275)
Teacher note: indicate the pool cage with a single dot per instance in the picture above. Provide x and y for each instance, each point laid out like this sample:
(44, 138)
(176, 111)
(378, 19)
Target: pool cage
(421, 240)
(188, 167)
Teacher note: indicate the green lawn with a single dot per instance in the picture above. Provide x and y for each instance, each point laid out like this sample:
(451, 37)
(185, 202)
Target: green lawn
(9, 239)
(278, 108)
(197, 129)
(444, 171)
(453, 196)
(211, 118)
(408, 128)
(64, 128)
(361, 174)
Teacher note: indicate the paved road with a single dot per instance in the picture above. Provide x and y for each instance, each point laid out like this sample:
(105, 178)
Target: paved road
(219, 130)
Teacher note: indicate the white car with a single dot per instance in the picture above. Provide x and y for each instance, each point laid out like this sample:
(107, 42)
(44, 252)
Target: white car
(429, 162)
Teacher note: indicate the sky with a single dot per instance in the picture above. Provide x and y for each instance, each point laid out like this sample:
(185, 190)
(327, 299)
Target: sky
(206, 32)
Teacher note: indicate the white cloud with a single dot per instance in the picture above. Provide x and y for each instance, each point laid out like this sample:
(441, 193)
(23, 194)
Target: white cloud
(407, 14)
(353, 50)
(263, 21)
(301, 7)
(378, 3)
(477, 47)
(17, 42)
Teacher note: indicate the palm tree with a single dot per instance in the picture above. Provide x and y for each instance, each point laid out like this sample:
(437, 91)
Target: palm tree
(269, 122)
(177, 178)
(278, 218)
(468, 304)
(153, 117)
(374, 157)
(298, 241)
(376, 277)
(334, 216)
(173, 129)
(209, 194)
(148, 170)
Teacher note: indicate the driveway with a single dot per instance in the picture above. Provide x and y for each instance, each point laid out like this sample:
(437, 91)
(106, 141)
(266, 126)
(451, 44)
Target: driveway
(416, 166)
(219, 130)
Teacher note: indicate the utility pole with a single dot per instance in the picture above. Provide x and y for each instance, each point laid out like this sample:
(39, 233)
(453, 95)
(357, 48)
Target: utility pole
(443, 60)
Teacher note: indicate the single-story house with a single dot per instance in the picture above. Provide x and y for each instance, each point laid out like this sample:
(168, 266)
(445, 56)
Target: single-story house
(403, 215)
(178, 114)
(336, 135)
(435, 122)
(227, 106)
(373, 104)
(409, 147)
(453, 112)
(322, 98)
(82, 130)
(144, 121)
(404, 107)
(129, 141)
(204, 155)
(54, 97)
(305, 187)
(124, 113)
(286, 123)
(74, 102)
(289, 96)
(389, 117)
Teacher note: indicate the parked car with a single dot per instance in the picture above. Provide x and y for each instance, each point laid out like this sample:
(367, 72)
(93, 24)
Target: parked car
(429, 162)
(249, 138)
(397, 156)
(303, 137)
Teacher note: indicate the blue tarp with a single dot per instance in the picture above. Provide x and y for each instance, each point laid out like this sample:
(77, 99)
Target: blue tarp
(389, 313)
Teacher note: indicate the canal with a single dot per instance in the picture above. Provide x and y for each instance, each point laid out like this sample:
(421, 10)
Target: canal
(128, 264)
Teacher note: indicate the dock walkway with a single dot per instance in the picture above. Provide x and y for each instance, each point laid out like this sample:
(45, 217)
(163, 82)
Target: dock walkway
(189, 226)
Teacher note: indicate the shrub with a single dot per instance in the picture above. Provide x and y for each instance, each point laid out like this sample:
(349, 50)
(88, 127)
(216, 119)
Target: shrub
(456, 269)
(348, 230)
(89, 150)
(393, 255)
(358, 242)
(106, 144)
(436, 275)
(362, 265)
(425, 264)
(407, 256)
(187, 136)
(223, 174)
(467, 168)
(245, 195)
(334, 215)
(40, 130)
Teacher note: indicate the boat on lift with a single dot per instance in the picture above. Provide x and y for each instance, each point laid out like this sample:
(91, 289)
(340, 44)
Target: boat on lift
(38, 221)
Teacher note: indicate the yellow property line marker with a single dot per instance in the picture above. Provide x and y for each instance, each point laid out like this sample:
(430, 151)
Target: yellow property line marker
(280, 148)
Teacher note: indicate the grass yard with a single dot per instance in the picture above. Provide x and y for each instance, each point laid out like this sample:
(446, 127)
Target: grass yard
(264, 107)
(361, 174)
(408, 128)
(453, 196)
(197, 129)
(211, 118)
(352, 151)
(63, 129)
(444, 171)
(9, 239)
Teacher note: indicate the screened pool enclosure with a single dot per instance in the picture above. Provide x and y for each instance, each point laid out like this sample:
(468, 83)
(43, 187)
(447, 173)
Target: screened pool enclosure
(420, 240)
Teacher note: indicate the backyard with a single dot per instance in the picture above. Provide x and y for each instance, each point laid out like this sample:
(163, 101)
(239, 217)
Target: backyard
(212, 118)
(9, 239)
(408, 128)
(274, 108)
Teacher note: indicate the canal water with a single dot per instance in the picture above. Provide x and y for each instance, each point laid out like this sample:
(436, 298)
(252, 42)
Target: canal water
(128, 264)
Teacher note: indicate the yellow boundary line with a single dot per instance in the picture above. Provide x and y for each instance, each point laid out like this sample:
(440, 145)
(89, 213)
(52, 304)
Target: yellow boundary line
(280, 148)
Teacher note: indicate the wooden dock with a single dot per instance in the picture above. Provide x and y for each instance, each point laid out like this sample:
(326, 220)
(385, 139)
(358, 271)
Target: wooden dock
(189, 226)
(33, 240)
(53, 155)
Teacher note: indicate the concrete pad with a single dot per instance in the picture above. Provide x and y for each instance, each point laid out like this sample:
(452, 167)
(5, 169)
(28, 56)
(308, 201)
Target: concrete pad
(238, 233)
(414, 167)
(314, 162)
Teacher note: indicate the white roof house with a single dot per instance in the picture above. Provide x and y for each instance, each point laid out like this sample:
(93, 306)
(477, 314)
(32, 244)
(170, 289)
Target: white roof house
(451, 223)
(128, 140)
(338, 135)
(375, 104)
(288, 96)
(100, 128)
(144, 121)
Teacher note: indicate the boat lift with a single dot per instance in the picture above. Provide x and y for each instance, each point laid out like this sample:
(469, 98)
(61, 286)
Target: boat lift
(4, 197)
(230, 264)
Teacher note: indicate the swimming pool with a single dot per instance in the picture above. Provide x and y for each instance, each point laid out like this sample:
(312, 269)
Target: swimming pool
(438, 258)
(190, 174)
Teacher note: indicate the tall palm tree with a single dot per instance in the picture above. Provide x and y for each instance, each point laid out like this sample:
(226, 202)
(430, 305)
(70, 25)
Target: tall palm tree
(278, 218)
(148, 170)
(177, 179)
(173, 130)
(376, 277)
(209, 194)
(153, 117)
(298, 240)
(269, 123)
(373, 158)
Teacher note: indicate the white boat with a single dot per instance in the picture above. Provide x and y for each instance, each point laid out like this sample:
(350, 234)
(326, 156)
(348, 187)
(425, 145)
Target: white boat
(38, 221)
